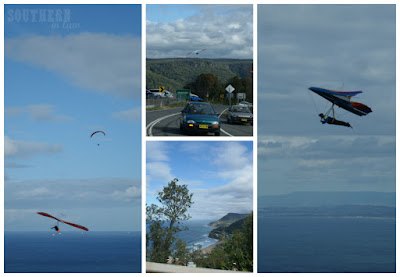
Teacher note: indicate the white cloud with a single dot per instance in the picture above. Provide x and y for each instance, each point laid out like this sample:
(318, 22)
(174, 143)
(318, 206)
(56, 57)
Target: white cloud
(233, 38)
(129, 194)
(232, 156)
(91, 192)
(234, 162)
(25, 149)
(326, 163)
(158, 171)
(318, 163)
(157, 151)
(39, 112)
(100, 62)
(325, 147)
(132, 115)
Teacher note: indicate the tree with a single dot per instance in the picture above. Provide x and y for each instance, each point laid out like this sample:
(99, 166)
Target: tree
(239, 248)
(206, 83)
(166, 220)
(242, 85)
(234, 253)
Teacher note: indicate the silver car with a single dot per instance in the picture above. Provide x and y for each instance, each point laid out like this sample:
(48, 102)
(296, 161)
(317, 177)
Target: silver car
(240, 114)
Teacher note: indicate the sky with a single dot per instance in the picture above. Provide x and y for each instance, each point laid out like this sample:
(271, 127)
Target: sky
(71, 70)
(219, 174)
(225, 31)
(340, 47)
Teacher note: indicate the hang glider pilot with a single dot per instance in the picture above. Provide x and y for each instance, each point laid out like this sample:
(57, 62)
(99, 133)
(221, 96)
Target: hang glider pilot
(330, 120)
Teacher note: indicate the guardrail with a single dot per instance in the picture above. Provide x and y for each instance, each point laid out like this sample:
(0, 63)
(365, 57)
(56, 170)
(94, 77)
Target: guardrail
(152, 103)
(169, 268)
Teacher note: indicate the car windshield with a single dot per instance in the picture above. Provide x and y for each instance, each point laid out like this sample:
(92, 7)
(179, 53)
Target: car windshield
(238, 109)
(200, 109)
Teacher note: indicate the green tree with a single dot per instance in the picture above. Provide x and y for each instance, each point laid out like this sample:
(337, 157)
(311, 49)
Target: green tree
(166, 219)
(234, 253)
(206, 83)
(242, 85)
(239, 247)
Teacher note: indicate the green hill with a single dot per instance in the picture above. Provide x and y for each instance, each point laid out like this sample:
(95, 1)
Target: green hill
(227, 224)
(227, 220)
(176, 73)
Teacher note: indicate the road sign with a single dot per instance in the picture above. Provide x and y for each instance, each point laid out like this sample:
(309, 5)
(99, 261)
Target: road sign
(241, 96)
(183, 94)
(162, 89)
(221, 96)
(229, 89)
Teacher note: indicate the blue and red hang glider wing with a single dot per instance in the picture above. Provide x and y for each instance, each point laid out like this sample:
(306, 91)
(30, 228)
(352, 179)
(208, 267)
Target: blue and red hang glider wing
(342, 99)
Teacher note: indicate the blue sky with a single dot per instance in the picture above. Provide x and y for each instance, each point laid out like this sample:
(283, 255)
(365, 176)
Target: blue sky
(66, 77)
(219, 174)
(340, 47)
(225, 31)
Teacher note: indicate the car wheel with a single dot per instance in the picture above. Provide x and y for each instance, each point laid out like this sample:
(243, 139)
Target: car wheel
(218, 133)
(228, 120)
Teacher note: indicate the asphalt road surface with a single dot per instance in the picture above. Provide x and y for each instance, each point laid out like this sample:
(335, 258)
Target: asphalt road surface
(167, 123)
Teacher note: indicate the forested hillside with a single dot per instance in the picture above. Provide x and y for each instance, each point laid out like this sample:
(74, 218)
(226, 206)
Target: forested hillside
(177, 73)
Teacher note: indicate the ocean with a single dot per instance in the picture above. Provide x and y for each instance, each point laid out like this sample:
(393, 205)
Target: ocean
(94, 252)
(326, 244)
(197, 233)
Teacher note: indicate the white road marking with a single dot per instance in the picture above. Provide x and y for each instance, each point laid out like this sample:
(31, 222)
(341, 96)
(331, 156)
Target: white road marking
(222, 130)
(149, 127)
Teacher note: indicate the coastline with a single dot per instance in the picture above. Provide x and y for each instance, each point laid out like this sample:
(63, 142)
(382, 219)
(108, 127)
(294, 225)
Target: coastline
(209, 249)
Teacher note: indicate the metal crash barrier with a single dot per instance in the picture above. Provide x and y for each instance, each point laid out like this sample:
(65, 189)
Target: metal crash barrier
(168, 268)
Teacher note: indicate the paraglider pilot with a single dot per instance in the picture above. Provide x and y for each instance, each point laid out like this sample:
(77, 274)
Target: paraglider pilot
(331, 120)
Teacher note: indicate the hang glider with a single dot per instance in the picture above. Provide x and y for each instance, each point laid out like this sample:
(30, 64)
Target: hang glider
(342, 100)
(62, 221)
(196, 51)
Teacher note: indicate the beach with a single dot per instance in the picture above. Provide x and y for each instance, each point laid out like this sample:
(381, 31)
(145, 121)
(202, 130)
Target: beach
(209, 249)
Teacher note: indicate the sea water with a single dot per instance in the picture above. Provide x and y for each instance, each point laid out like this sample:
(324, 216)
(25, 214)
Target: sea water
(326, 244)
(197, 234)
(96, 252)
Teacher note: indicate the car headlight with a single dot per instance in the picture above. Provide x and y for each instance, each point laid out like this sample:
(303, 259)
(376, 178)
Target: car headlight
(215, 123)
(191, 122)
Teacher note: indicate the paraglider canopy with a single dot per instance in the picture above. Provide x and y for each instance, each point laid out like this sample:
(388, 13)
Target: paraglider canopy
(97, 132)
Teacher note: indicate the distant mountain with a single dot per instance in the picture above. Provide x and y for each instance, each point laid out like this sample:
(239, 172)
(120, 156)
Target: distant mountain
(333, 211)
(227, 220)
(176, 73)
(227, 224)
(315, 199)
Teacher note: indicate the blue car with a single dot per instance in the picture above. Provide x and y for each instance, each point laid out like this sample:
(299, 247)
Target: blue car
(200, 117)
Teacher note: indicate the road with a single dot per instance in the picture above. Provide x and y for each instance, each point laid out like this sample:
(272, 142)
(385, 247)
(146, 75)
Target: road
(167, 123)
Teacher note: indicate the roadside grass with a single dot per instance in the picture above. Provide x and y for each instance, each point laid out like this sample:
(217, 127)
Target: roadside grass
(166, 107)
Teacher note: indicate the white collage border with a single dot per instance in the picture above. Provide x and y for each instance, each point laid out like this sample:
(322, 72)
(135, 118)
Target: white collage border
(143, 126)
